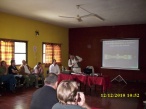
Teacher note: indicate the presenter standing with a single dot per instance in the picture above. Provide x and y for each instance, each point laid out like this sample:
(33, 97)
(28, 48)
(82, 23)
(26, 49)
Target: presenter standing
(74, 63)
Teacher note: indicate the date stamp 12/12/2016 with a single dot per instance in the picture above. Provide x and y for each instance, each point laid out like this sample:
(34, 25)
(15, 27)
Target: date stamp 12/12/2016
(120, 95)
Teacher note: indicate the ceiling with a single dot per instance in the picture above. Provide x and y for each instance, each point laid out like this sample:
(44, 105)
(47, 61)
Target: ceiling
(115, 12)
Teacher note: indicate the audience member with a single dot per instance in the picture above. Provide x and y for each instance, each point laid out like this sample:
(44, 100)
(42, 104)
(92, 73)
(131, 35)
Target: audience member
(54, 68)
(74, 63)
(7, 78)
(69, 97)
(12, 69)
(45, 97)
(38, 72)
(25, 70)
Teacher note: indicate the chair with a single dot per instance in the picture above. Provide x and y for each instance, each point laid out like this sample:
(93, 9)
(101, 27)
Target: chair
(3, 86)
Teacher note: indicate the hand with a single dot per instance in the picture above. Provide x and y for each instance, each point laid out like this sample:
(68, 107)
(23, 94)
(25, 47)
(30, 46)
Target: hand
(73, 65)
(5, 73)
(80, 98)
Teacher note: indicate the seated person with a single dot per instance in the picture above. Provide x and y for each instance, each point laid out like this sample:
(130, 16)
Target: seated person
(54, 68)
(12, 69)
(7, 78)
(45, 97)
(25, 70)
(38, 72)
(74, 63)
(69, 97)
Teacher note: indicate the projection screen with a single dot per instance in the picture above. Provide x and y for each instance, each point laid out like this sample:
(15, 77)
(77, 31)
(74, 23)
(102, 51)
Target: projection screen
(120, 54)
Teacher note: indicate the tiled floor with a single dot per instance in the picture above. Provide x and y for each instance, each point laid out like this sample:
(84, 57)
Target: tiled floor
(21, 99)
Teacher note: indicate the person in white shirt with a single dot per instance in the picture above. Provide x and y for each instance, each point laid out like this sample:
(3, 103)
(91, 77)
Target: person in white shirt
(74, 63)
(25, 70)
(38, 72)
(54, 68)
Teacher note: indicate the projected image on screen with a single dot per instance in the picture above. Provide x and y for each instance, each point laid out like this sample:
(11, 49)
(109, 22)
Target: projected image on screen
(120, 54)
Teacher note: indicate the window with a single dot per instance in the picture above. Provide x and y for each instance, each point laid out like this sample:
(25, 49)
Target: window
(51, 51)
(12, 49)
(19, 52)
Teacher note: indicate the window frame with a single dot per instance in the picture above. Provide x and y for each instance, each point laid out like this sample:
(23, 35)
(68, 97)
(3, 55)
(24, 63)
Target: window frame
(13, 40)
(47, 64)
(22, 53)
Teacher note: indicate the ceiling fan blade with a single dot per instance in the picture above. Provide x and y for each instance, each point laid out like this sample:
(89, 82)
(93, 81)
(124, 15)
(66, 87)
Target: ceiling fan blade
(79, 6)
(67, 17)
(86, 15)
(98, 17)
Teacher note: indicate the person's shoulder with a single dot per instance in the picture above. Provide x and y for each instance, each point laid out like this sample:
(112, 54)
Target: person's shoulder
(38, 91)
(48, 88)
(57, 106)
(27, 65)
(62, 106)
(21, 66)
(75, 107)
(35, 66)
(51, 65)
(57, 65)
(9, 67)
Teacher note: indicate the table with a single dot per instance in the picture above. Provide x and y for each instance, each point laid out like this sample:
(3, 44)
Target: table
(87, 80)
(94, 80)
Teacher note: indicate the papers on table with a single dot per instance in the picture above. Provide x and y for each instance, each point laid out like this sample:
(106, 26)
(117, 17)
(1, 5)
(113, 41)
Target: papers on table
(76, 73)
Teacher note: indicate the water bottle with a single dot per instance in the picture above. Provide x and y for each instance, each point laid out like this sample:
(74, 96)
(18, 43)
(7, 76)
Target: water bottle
(62, 69)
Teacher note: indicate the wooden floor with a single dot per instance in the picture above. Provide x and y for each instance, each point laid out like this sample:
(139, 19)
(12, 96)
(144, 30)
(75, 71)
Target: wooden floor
(21, 99)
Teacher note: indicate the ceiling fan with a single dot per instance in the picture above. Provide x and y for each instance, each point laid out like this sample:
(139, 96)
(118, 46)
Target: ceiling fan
(79, 18)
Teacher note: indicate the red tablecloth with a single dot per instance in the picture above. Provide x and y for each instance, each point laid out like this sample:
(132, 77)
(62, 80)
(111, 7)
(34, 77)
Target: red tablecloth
(86, 80)
(80, 78)
(94, 80)
(64, 77)
(76, 77)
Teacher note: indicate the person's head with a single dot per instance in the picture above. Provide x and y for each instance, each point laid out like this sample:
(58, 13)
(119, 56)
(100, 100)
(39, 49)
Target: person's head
(23, 62)
(67, 91)
(51, 80)
(3, 63)
(39, 64)
(54, 61)
(71, 56)
(13, 62)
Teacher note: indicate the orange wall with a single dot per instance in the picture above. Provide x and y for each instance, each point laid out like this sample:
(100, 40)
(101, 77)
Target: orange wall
(19, 28)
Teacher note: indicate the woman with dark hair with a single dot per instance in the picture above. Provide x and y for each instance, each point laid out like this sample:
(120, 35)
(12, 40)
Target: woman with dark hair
(7, 78)
(69, 97)
(12, 69)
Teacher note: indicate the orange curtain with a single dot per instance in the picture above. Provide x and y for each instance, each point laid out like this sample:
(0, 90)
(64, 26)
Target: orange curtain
(6, 51)
(52, 51)
(57, 53)
(48, 53)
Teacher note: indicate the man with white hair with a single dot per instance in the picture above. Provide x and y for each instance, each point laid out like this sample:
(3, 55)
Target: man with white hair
(74, 63)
